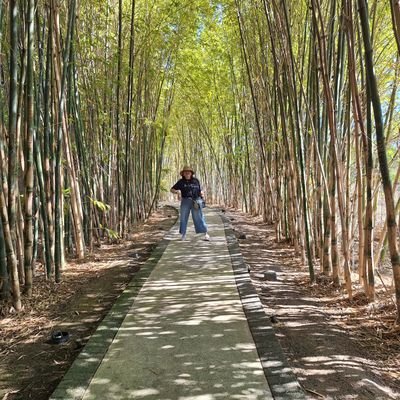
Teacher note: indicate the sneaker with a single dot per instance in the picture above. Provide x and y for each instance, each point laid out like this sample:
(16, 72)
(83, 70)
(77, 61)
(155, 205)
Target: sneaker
(207, 237)
(183, 238)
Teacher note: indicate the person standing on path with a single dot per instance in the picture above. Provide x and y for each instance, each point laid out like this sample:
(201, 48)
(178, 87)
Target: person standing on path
(190, 194)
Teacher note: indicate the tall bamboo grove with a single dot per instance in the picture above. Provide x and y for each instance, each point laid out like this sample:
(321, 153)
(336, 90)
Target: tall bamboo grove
(288, 111)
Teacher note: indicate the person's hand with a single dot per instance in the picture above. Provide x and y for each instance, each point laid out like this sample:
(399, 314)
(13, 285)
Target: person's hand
(178, 192)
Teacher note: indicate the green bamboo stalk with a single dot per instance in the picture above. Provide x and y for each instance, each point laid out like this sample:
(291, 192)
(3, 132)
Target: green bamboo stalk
(48, 159)
(381, 148)
(117, 118)
(128, 124)
(61, 107)
(4, 276)
(300, 149)
(4, 280)
(9, 221)
(368, 211)
(29, 137)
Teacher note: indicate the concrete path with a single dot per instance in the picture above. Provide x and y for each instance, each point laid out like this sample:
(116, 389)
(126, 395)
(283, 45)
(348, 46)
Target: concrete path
(185, 332)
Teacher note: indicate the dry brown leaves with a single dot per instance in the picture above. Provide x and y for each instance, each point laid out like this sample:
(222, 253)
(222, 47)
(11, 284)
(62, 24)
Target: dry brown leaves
(39, 311)
(372, 324)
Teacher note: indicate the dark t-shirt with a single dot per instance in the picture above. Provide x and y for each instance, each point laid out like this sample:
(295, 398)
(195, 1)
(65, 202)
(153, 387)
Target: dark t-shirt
(189, 188)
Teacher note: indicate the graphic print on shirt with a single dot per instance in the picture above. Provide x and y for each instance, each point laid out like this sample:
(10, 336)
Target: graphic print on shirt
(189, 188)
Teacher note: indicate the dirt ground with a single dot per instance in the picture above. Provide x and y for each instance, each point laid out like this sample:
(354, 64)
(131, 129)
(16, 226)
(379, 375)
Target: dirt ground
(338, 349)
(31, 367)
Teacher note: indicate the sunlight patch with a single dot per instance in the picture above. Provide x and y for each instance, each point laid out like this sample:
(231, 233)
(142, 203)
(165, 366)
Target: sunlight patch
(101, 381)
(199, 397)
(145, 392)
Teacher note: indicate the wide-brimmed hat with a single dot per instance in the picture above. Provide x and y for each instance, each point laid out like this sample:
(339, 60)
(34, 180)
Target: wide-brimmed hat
(187, 168)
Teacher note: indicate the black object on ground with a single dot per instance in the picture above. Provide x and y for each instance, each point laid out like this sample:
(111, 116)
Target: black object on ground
(274, 319)
(270, 276)
(58, 337)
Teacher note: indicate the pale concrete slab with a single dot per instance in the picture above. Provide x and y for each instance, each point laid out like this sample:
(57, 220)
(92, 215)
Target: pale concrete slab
(186, 335)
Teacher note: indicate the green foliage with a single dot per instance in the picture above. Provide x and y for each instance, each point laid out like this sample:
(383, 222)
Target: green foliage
(66, 192)
(111, 233)
(100, 205)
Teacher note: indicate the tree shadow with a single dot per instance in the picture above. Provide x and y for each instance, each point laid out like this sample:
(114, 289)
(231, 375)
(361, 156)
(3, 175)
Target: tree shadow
(325, 358)
(184, 333)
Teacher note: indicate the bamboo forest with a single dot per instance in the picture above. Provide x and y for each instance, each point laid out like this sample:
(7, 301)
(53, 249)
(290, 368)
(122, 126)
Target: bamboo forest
(288, 112)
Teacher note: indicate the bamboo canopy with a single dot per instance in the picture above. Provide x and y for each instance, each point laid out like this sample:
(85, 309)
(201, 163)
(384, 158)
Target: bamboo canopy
(286, 110)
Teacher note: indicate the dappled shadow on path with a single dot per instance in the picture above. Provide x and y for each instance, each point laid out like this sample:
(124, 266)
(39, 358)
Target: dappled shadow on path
(184, 337)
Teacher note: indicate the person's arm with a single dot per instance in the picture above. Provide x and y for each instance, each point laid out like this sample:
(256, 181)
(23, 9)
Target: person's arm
(176, 188)
(201, 190)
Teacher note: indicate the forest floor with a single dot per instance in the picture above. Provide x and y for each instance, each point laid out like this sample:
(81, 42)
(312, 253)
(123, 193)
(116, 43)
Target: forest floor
(30, 366)
(339, 349)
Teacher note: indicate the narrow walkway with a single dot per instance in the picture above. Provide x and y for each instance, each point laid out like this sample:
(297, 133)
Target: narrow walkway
(182, 333)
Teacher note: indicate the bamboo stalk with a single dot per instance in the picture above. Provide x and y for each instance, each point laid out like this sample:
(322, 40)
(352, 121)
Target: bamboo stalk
(380, 139)
(9, 217)
(29, 137)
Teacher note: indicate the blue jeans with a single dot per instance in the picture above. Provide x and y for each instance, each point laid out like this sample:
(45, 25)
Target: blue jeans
(197, 215)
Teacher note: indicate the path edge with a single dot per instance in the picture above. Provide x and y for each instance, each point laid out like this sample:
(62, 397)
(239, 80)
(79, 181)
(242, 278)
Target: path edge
(282, 381)
(77, 379)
